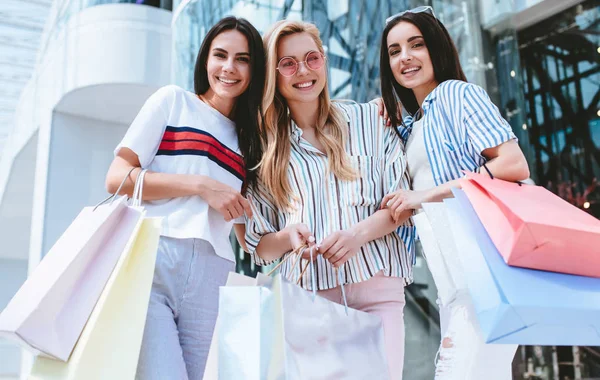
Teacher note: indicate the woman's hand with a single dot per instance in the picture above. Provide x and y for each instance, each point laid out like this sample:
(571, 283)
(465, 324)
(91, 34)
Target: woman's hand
(228, 202)
(402, 200)
(340, 247)
(300, 236)
(383, 111)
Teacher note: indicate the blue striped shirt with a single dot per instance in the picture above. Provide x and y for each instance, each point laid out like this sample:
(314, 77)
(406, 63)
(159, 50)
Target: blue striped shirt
(459, 123)
(326, 204)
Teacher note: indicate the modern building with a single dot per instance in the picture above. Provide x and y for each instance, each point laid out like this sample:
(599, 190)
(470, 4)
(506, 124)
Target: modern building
(21, 26)
(99, 60)
(95, 66)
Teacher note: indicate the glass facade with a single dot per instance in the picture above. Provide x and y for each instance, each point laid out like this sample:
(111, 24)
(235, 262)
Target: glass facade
(551, 84)
(555, 115)
(560, 60)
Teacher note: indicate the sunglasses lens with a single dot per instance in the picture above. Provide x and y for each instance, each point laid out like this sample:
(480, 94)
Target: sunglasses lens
(314, 60)
(287, 66)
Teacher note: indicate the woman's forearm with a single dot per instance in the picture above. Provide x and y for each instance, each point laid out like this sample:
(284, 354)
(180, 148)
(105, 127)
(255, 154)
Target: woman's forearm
(508, 165)
(378, 225)
(507, 168)
(274, 245)
(441, 192)
(507, 162)
(156, 185)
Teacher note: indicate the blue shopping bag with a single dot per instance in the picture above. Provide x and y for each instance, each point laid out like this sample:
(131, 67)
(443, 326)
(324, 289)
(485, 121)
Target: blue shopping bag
(518, 305)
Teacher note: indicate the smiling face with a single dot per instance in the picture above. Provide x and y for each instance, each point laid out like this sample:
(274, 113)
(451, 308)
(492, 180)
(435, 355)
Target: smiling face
(409, 58)
(305, 85)
(228, 66)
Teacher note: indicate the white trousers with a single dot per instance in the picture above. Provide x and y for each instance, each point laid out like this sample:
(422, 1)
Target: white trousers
(463, 353)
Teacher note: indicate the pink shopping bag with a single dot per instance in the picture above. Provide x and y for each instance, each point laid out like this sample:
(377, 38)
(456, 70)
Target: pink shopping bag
(534, 228)
(50, 310)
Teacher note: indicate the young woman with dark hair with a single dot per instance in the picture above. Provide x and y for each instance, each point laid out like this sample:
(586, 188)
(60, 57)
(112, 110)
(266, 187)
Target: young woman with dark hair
(450, 126)
(200, 150)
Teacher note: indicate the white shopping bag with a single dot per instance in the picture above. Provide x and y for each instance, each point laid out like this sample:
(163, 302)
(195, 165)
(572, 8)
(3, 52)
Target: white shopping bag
(211, 371)
(50, 310)
(281, 331)
(469, 358)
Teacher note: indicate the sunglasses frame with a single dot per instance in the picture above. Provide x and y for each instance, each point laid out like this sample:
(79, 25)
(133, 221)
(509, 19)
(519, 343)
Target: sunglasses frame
(421, 9)
(299, 62)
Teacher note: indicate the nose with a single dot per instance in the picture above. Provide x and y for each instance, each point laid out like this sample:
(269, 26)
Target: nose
(405, 55)
(229, 65)
(302, 68)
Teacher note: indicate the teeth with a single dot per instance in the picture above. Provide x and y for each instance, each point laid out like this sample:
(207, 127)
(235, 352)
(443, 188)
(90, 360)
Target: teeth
(228, 81)
(411, 70)
(304, 85)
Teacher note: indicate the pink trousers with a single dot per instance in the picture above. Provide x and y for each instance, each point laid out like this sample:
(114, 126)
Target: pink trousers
(382, 296)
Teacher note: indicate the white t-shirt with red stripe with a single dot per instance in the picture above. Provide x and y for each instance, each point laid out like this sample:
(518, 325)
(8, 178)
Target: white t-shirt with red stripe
(176, 132)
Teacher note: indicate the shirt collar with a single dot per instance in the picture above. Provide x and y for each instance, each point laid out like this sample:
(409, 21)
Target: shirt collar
(408, 121)
(296, 131)
(297, 135)
(429, 100)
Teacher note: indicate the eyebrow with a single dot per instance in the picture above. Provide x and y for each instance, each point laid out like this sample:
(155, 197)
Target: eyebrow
(296, 58)
(226, 52)
(411, 39)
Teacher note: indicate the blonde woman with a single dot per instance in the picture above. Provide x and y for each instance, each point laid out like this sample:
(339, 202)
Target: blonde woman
(325, 170)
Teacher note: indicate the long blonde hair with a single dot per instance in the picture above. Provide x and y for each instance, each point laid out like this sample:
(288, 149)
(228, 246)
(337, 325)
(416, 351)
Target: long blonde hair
(331, 129)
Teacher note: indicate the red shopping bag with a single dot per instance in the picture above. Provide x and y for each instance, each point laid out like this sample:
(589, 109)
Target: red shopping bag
(534, 228)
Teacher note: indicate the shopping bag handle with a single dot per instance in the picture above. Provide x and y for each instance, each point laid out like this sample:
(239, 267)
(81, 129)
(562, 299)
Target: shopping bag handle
(112, 197)
(313, 279)
(297, 253)
(138, 189)
(339, 270)
(284, 260)
(492, 176)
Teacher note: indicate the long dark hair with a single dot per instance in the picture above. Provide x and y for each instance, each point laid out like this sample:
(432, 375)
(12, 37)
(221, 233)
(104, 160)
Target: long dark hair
(444, 57)
(248, 111)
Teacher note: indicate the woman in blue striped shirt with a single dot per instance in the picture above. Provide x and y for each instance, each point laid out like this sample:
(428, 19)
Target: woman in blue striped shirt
(451, 126)
(326, 168)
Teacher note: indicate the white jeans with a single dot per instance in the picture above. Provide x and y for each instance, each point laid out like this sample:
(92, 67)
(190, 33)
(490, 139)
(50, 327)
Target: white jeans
(463, 353)
(183, 310)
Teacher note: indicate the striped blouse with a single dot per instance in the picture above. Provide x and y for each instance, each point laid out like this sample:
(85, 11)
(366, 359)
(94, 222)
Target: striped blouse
(326, 204)
(459, 123)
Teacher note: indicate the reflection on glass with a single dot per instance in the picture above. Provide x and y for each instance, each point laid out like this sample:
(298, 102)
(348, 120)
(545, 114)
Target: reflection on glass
(561, 70)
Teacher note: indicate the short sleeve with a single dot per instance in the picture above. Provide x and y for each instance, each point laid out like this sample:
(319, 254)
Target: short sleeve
(146, 131)
(485, 127)
(263, 221)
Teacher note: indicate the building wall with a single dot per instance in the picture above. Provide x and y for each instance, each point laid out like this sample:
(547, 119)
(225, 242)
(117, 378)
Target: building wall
(12, 274)
(76, 169)
(15, 213)
(97, 67)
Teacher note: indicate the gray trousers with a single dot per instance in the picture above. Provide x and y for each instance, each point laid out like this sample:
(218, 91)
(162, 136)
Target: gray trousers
(182, 311)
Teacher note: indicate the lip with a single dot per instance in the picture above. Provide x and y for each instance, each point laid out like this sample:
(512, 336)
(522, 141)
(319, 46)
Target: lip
(410, 73)
(220, 80)
(307, 88)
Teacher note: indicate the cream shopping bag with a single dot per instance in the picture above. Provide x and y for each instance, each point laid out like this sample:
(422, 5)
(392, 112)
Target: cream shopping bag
(110, 343)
